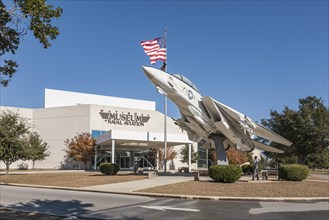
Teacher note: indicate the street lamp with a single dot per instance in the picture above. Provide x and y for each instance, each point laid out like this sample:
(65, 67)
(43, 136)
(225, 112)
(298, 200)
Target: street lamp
(159, 90)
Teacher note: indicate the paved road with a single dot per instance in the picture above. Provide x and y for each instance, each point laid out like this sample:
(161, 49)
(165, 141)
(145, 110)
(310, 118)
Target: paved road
(113, 206)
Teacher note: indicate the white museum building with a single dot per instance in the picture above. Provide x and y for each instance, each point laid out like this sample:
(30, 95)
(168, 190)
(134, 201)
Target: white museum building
(126, 131)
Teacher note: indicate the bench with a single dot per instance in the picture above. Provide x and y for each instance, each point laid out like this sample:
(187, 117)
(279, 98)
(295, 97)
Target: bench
(267, 172)
(152, 174)
(183, 169)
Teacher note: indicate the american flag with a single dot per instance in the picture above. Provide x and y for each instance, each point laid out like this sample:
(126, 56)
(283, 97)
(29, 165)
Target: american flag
(155, 49)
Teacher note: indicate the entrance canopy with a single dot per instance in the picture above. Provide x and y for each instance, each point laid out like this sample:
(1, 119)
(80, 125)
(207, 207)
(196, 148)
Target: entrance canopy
(136, 140)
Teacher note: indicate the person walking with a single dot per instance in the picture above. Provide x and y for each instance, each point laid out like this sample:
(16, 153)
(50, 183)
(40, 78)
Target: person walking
(256, 169)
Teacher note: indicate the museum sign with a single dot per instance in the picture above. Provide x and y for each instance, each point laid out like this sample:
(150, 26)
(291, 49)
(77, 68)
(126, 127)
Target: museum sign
(124, 118)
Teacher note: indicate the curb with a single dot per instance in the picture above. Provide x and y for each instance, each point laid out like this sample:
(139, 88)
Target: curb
(178, 196)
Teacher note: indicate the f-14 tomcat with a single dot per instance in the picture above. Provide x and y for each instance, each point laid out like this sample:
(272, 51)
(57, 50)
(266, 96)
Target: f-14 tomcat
(208, 121)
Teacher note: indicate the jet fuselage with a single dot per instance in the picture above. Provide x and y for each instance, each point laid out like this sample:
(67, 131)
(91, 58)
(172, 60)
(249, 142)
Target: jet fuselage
(196, 119)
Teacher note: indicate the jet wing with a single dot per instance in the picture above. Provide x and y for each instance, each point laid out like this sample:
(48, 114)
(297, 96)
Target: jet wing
(263, 132)
(257, 129)
(265, 147)
(185, 125)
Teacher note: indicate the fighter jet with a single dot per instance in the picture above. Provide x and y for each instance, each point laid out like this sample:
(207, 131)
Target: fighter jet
(210, 122)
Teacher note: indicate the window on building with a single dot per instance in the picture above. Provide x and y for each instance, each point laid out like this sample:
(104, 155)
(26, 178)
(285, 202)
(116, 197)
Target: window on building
(202, 158)
(97, 133)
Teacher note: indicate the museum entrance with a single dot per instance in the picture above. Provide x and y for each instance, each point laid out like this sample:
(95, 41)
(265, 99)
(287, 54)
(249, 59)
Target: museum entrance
(145, 159)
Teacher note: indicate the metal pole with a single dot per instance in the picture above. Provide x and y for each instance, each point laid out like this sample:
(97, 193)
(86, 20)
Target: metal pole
(165, 111)
(165, 44)
(207, 156)
(165, 134)
(113, 151)
(95, 159)
(189, 157)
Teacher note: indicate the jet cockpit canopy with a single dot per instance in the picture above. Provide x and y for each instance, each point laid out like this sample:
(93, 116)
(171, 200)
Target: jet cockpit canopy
(186, 80)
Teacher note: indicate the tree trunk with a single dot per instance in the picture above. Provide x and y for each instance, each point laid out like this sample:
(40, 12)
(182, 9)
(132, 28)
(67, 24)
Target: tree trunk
(7, 168)
(33, 164)
(302, 159)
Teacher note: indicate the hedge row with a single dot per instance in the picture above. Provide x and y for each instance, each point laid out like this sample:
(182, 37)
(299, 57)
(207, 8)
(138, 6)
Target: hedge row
(247, 169)
(231, 173)
(225, 173)
(293, 172)
(109, 168)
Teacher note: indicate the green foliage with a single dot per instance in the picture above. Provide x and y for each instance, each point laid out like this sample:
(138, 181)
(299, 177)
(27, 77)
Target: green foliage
(13, 142)
(37, 149)
(280, 160)
(318, 160)
(225, 173)
(106, 168)
(307, 128)
(293, 172)
(247, 169)
(184, 154)
(116, 168)
(16, 18)
(17, 142)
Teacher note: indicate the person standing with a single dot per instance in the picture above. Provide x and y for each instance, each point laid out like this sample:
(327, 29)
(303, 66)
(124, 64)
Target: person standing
(256, 169)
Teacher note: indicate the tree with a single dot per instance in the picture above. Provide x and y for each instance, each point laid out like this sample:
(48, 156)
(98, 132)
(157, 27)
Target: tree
(170, 156)
(307, 128)
(13, 141)
(37, 149)
(81, 147)
(236, 156)
(318, 160)
(212, 157)
(184, 155)
(16, 18)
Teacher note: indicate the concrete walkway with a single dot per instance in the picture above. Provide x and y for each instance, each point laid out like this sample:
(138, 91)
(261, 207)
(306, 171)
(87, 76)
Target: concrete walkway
(131, 186)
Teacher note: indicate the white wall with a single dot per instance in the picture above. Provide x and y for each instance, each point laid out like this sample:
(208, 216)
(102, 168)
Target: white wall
(59, 98)
(55, 125)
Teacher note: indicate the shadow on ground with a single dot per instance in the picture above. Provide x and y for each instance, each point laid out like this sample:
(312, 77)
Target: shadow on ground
(55, 207)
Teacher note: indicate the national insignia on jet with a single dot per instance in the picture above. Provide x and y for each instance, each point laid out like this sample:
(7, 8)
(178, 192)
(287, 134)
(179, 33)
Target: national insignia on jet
(190, 94)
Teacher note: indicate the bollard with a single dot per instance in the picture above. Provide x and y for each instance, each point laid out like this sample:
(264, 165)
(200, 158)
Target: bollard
(196, 176)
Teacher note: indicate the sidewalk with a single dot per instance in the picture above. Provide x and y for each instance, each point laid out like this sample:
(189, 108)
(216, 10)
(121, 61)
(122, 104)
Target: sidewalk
(132, 186)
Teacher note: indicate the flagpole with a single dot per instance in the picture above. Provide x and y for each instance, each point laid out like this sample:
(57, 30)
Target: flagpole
(164, 66)
(165, 109)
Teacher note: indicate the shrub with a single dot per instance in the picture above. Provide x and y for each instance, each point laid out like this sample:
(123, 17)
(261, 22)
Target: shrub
(116, 168)
(106, 168)
(247, 169)
(225, 173)
(293, 172)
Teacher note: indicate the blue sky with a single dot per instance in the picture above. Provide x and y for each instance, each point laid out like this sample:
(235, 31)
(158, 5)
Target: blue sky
(251, 55)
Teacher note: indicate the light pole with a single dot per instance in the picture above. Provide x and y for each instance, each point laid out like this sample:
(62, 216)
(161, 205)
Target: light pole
(165, 127)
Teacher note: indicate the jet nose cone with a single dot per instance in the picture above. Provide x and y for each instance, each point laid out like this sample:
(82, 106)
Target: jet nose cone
(148, 72)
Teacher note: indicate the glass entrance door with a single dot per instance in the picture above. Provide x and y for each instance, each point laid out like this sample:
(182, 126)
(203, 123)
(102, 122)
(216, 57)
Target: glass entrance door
(124, 162)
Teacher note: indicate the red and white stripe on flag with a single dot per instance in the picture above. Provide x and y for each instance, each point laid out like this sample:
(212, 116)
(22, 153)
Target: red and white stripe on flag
(155, 49)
